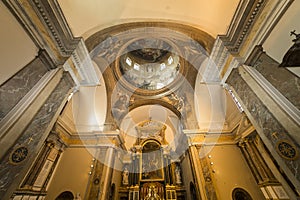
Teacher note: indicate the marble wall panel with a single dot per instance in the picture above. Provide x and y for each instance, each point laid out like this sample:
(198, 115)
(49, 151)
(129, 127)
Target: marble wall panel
(271, 128)
(13, 90)
(12, 173)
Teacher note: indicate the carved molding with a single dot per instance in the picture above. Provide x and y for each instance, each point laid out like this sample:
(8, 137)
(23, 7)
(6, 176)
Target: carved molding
(251, 25)
(243, 20)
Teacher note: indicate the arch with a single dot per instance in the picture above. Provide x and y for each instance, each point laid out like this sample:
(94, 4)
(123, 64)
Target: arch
(145, 102)
(240, 194)
(205, 39)
(66, 195)
(152, 140)
(157, 113)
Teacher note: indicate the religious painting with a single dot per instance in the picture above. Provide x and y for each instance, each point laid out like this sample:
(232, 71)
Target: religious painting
(152, 167)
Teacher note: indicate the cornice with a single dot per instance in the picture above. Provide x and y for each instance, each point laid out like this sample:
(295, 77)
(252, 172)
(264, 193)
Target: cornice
(243, 20)
(45, 23)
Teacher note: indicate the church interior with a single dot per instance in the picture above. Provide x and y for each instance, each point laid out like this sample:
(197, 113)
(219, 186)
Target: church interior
(151, 100)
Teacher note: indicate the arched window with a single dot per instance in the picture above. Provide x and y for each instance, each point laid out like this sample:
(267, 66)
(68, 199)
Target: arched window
(240, 194)
(67, 195)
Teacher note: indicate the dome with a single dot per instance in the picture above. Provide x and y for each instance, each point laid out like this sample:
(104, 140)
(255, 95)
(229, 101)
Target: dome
(149, 63)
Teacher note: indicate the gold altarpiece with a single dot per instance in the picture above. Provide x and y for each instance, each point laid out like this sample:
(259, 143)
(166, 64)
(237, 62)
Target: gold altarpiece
(152, 174)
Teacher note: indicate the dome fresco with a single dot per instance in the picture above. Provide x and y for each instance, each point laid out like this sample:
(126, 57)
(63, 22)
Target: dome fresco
(149, 64)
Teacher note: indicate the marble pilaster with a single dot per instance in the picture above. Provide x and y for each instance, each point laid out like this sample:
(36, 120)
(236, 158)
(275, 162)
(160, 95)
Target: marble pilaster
(198, 174)
(14, 89)
(261, 172)
(268, 127)
(93, 189)
(208, 179)
(37, 179)
(13, 169)
(107, 172)
(17, 120)
(282, 79)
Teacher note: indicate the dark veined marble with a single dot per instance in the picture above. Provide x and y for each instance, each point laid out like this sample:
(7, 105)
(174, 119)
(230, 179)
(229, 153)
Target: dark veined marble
(287, 83)
(12, 173)
(14, 89)
(272, 129)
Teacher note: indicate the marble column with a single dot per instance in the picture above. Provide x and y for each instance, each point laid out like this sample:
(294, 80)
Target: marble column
(166, 169)
(32, 134)
(172, 173)
(107, 173)
(274, 126)
(131, 174)
(197, 171)
(137, 170)
(266, 181)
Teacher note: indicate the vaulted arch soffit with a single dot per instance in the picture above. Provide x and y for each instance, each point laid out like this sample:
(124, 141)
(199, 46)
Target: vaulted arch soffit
(149, 49)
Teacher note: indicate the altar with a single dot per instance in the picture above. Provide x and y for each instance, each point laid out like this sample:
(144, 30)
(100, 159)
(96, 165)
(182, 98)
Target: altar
(151, 174)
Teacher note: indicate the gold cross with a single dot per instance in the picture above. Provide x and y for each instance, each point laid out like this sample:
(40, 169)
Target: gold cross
(275, 135)
(29, 140)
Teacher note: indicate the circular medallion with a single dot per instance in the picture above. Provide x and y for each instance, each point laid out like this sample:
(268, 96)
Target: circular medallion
(19, 155)
(287, 150)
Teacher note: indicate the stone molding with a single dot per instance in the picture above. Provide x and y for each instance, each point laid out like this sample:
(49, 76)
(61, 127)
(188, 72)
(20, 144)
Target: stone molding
(257, 21)
(242, 23)
(45, 23)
